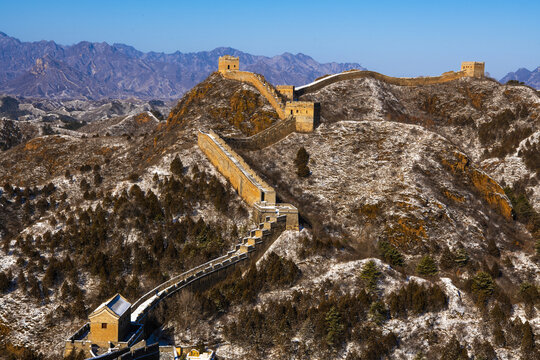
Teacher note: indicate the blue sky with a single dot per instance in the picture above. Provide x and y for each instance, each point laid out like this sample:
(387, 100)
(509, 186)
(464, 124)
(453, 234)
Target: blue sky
(400, 38)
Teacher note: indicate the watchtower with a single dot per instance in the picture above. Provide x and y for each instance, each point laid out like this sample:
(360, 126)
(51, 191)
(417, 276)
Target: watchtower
(287, 91)
(228, 62)
(305, 113)
(110, 321)
(473, 68)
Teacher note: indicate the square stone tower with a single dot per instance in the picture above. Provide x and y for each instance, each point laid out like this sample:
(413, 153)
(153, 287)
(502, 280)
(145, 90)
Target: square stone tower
(473, 68)
(304, 112)
(228, 62)
(287, 91)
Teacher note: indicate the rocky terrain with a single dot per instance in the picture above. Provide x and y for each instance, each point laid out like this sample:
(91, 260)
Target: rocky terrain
(99, 70)
(419, 240)
(525, 76)
(22, 119)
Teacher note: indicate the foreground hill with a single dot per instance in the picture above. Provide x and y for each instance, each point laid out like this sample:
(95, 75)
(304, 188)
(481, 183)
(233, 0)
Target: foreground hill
(99, 70)
(408, 248)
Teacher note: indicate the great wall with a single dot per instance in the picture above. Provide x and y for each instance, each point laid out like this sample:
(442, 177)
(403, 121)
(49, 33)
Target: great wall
(272, 218)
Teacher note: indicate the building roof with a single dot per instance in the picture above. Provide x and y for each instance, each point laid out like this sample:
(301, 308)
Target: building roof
(117, 306)
(196, 355)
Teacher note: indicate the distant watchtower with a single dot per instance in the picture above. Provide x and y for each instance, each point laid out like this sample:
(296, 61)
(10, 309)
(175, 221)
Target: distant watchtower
(473, 68)
(228, 62)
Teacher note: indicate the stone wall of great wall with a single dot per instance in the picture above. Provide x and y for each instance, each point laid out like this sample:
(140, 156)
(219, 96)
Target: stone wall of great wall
(267, 137)
(319, 84)
(242, 178)
(264, 87)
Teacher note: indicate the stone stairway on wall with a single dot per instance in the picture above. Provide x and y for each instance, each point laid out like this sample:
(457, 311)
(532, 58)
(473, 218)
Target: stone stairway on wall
(264, 87)
(259, 238)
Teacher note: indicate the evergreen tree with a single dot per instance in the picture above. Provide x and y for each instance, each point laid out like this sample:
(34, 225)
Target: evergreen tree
(426, 266)
(453, 350)
(527, 341)
(483, 284)
(390, 253)
(370, 274)
(334, 327)
(301, 162)
(378, 312)
(176, 166)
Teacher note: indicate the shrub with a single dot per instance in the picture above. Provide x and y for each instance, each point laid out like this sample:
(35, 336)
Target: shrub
(426, 266)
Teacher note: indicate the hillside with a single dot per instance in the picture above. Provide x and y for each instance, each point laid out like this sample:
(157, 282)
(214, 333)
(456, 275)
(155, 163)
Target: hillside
(408, 233)
(99, 70)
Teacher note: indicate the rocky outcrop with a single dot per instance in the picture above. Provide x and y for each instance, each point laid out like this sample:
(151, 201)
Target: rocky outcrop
(460, 165)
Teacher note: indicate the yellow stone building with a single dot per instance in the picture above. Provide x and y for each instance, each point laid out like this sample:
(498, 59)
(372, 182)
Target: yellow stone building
(473, 68)
(304, 113)
(228, 62)
(110, 322)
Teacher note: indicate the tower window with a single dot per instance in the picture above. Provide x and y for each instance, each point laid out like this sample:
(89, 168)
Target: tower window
(228, 67)
(103, 325)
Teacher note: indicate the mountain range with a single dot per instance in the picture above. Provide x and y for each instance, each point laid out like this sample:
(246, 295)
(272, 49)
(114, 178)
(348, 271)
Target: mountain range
(531, 78)
(45, 69)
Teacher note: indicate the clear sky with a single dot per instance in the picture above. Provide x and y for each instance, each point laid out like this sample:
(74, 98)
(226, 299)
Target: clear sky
(400, 38)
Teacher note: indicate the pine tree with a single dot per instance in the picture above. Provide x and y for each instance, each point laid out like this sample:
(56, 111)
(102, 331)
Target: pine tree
(483, 284)
(378, 312)
(390, 254)
(426, 266)
(527, 341)
(334, 327)
(176, 166)
(301, 162)
(370, 274)
(453, 350)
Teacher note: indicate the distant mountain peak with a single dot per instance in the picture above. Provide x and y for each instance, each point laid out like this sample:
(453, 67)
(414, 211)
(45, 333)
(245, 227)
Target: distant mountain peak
(122, 71)
(530, 78)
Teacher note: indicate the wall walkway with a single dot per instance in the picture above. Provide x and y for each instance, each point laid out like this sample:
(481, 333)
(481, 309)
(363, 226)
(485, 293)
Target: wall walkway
(267, 137)
(243, 179)
(357, 74)
(264, 87)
